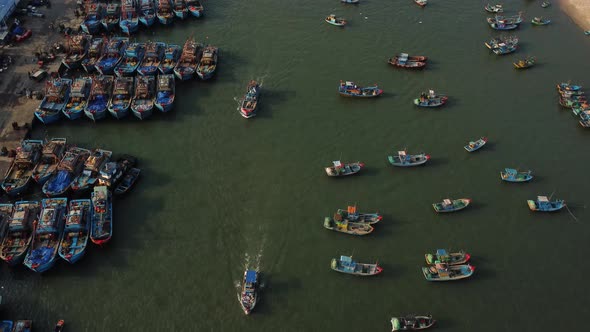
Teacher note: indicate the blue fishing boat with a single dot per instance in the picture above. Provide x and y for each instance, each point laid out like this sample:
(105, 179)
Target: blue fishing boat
(76, 50)
(112, 55)
(47, 234)
(568, 87)
(95, 51)
(75, 236)
(6, 326)
(101, 229)
(57, 95)
(195, 8)
(142, 104)
(53, 152)
(154, 53)
(91, 23)
(121, 98)
(67, 170)
(171, 56)
(349, 89)
(584, 118)
(131, 60)
(92, 166)
(79, 94)
(164, 12)
(249, 294)
(445, 272)
(250, 101)
(129, 22)
(147, 12)
(512, 175)
(208, 63)
(403, 159)
(180, 9)
(474, 146)
(23, 326)
(111, 17)
(189, 59)
(20, 230)
(18, 177)
(165, 93)
(543, 204)
(346, 265)
(100, 94)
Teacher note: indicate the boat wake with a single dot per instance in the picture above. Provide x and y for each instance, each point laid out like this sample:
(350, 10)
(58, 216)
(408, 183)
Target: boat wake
(251, 262)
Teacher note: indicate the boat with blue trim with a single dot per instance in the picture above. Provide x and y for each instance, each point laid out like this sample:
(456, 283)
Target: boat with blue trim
(129, 22)
(165, 93)
(91, 23)
(6, 326)
(180, 9)
(346, 265)
(503, 26)
(92, 166)
(47, 235)
(78, 98)
(339, 169)
(497, 8)
(337, 21)
(584, 115)
(53, 152)
(444, 272)
(249, 294)
(154, 53)
(20, 231)
(540, 21)
(444, 256)
(101, 229)
(339, 224)
(18, 177)
(113, 54)
(544, 204)
(403, 159)
(189, 60)
(431, 99)
(75, 236)
(474, 146)
(142, 104)
(451, 205)
(131, 60)
(147, 12)
(121, 98)
(111, 17)
(568, 87)
(250, 100)
(57, 95)
(510, 20)
(195, 8)
(208, 63)
(77, 49)
(505, 48)
(171, 56)
(349, 89)
(164, 13)
(128, 181)
(23, 326)
(100, 94)
(513, 175)
(95, 51)
(351, 214)
(67, 170)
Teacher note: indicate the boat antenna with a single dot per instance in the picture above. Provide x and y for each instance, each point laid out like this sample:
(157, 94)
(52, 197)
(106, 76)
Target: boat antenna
(570, 212)
(551, 194)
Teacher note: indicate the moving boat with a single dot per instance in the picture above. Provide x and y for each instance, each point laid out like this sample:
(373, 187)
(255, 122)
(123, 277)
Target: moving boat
(171, 56)
(128, 181)
(20, 230)
(249, 294)
(91, 23)
(525, 63)
(208, 63)
(95, 51)
(142, 104)
(512, 175)
(57, 95)
(349, 89)
(121, 98)
(101, 229)
(430, 99)
(79, 94)
(73, 243)
(147, 12)
(100, 94)
(154, 53)
(19, 174)
(337, 21)
(346, 265)
(250, 101)
(421, 3)
(451, 258)
(403, 159)
(112, 172)
(474, 146)
(47, 235)
(411, 323)
(52, 153)
(77, 48)
(445, 272)
(339, 169)
(112, 16)
(188, 61)
(404, 60)
(59, 326)
(351, 214)
(195, 8)
(67, 170)
(164, 12)
(165, 93)
(494, 8)
(112, 55)
(129, 22)
(451, 205)
(339, 224)
(543, 204)
(92, 166)
(131, 60)
(180, 9)
(23, 326)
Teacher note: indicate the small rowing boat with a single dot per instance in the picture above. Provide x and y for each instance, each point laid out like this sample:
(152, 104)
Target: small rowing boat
(540, 21)
(411, 323)
(249, 294)
(512, 175)
(250, 101)
(339, 224)
(349, 89)
(403, 159)
(73, 243)
(451, 258)
(543, 204)
(346, 265)
(445, 272)
(340, 169)
(430, 99)
(474, 146)
(59, 326)
(545, 4)
(451, 205)
(337, 21)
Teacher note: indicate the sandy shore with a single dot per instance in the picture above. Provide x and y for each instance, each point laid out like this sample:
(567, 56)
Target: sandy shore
(579, 11)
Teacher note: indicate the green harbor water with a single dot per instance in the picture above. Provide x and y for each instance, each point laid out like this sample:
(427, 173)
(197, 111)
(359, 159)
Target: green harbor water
(219, 193)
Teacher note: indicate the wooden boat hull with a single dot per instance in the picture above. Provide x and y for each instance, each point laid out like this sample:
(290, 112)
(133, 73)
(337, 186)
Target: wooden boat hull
(196, 11)
(128, 181)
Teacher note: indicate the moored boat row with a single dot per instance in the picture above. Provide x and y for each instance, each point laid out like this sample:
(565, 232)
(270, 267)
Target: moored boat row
(572, 96)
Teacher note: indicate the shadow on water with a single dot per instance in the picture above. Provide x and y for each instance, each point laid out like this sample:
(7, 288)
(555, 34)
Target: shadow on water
(443, 323)
(434, 162)
(229, 63)
(270, 100)
(275, 287)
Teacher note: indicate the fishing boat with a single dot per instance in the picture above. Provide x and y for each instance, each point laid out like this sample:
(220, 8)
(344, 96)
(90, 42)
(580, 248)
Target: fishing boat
(91, 22)
(92, 166)
(59, 326)
(512, 175)
(350, 1)
(23, 326)
(171, 56)
(77, 48)
(515, 19)
(121, 98)
(154, 53)
(97, 47)
(67, 170)
(18, 177)
(180, 9)
(337, 21)
(430, 99)
(339, 224)
(411, 323)
(568, 87)
(351, 214)
(147, 12)
(142, 104)
(339, 169)
(451, 205)
(188, 61)
(165, 93)
(346, 265)
(47, 235)
(112, 16)
(164, 12)
(6, 326)
(128, 181)
(543, 204)
(496, 42)
(101, 229)
(57, 95)
(131, 60)
(403, 159)
(585, 118)
(503, 49)
(349, 89)
(79, 94)
(503, 26)
(445, 272)
(20, 230)
(249, 294)
(75, 238)
(404, 60)
(208, 63)
(545, 4)
(195, 8)
(100, 94)
(474, 146)
(540, 21)
(129, 22)
(525, 63)
(250, 101)
(494, 8)
(112, 55)
(587, 32)
(444, 256)
(421, 3)
(6, 212)
(112, 172)
(52, 153)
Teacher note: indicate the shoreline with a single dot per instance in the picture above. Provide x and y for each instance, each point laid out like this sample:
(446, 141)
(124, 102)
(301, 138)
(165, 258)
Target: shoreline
(578, 11)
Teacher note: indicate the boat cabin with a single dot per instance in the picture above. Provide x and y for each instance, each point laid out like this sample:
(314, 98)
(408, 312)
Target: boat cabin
(447, 203)
(95, 161)
(250, 279)
(74, 218)
(164, 84)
